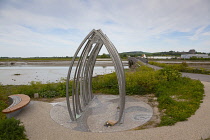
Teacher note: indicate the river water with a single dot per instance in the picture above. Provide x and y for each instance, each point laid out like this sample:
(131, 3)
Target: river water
(23, 75)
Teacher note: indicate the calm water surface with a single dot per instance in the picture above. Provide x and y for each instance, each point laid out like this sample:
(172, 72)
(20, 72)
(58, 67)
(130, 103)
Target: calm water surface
(23, 75)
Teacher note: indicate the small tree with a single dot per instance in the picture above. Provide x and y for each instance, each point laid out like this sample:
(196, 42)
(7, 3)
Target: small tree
(104, 56)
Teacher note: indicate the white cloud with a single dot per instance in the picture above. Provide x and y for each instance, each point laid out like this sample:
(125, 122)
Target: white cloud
(206, 34)
(197, 33)
(130, 25)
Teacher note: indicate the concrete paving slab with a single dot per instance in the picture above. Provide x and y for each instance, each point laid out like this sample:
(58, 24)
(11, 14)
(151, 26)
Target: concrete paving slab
(102, 109)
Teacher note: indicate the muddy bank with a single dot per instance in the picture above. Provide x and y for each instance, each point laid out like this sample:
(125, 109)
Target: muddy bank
(23, 75)
(55, 63)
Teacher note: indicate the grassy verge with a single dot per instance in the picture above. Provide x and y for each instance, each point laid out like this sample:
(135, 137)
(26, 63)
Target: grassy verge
(178, 97)
(181, 60)
(183, 67)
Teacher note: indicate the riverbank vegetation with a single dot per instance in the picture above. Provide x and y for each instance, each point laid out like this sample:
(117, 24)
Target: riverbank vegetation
(178, 97)
(183, 67)
(102, 57)
(20, 59)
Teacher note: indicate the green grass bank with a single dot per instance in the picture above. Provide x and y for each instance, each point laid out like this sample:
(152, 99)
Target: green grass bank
(183, 67)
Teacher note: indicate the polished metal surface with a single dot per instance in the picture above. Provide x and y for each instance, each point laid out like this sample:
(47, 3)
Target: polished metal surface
(81, 89)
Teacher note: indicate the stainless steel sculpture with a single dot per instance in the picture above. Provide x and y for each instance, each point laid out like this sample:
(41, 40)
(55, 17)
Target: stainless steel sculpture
(82, 80)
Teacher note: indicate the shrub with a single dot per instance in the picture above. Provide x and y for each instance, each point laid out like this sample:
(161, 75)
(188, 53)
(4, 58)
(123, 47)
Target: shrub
(105, 84)
(3, 105)
(141, 82)
(169, 74)
(48, 90)
(12, 129)
(183, 67)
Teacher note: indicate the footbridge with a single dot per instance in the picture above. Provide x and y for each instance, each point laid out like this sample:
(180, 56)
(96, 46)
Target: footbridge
(133, 60)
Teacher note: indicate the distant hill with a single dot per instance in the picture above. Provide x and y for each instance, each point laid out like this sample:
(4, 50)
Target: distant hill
(166, 53)
(133, 54)
(136, 52)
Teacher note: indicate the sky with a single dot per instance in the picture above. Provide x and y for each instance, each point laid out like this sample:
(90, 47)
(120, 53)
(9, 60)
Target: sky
(46, 28)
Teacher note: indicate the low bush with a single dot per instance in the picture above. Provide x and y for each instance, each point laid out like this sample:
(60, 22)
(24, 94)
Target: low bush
(105, 84)
(180, 99)
(183, 67)
(12, 129)
(140, 82)
(3, 103)
(168, 74)
(49, 90)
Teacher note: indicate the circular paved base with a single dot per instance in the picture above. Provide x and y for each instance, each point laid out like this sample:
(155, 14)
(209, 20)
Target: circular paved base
(101, 109)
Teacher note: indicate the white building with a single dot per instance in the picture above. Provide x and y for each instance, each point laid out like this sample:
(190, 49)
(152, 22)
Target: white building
(188, 56)
(161, 57)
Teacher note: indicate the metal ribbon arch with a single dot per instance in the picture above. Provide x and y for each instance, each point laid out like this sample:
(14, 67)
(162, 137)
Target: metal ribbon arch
(82, 80)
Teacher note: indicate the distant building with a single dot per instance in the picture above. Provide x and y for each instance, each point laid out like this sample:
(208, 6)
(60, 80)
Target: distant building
(192, 51)
(161, 57)
(188, 56)
(143, 56)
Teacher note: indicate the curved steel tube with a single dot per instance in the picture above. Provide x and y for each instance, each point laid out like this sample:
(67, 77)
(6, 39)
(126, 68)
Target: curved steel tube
(82, 81)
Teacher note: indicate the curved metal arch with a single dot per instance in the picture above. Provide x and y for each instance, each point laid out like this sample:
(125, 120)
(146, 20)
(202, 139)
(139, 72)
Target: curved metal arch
(82, 81)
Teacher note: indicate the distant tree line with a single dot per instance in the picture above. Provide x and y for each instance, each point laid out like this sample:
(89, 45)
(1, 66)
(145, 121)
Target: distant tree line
(123, 55)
